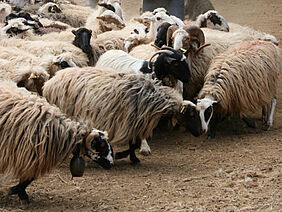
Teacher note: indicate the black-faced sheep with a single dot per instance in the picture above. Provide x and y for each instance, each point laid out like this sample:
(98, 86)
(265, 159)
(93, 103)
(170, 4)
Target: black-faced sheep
(240, 80)
(36, 136)
(129, 106)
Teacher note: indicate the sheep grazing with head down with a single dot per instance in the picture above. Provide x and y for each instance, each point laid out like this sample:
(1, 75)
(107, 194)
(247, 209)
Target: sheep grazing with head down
(240, 80)
(129, 106)
(193, 8)
(36, 136)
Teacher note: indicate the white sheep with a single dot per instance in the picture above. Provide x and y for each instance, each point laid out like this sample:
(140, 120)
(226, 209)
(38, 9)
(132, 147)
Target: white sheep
(242, 79)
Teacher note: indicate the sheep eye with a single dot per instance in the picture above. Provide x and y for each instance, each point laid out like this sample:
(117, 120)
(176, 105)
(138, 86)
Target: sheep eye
(136, 31)
(208, 113)
(158, 18)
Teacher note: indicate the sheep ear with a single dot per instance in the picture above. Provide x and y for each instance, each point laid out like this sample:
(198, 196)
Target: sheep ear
(73, 32)
(90, 32)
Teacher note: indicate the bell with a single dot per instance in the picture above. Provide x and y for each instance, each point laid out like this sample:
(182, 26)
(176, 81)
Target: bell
(77, 166)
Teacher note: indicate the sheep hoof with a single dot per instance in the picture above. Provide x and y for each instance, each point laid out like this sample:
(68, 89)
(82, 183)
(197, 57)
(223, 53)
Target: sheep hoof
(21, 193)
(145, 152)
(266, 126)
(135, 161)
(250, 123)
(120, 155)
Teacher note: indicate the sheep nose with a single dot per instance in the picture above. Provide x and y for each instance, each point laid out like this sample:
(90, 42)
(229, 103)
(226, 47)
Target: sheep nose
(203, 131)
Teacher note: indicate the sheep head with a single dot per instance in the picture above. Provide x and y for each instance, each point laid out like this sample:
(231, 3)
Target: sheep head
(109, 20)
(190, 38)
(188, 117)
(82, 39)
(161, 38)
(99, 149)
(170, 62)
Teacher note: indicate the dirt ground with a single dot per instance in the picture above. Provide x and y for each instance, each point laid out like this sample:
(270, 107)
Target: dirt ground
(240, 170)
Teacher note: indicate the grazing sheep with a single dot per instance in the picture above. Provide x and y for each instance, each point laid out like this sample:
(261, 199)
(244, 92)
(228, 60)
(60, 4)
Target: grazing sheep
(36, 136)
(193, 8)
(240, 80)
(129, 106)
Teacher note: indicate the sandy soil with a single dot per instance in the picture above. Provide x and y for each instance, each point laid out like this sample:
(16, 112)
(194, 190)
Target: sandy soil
(240, 170)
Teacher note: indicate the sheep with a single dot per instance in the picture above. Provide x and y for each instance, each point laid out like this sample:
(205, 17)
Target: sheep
(28, 70)
(36, 136)
(238, 81)
(193, 8)
(164, 67)
(5, 10)
(169, 63)
(127, 105)
(107, 16)
(95, 49)
(137, 36)
(55, 48)
(198, 58)
(211, 19)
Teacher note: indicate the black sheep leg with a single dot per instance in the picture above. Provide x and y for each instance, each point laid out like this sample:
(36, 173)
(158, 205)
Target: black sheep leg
(20, 190)
(250, 123)
(213, 125)
(132, 148)
(130, 152)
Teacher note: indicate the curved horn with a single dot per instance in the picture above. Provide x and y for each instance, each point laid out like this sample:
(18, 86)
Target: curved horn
(169, 33)
(166, 51)
(89, 138)
(195, 33)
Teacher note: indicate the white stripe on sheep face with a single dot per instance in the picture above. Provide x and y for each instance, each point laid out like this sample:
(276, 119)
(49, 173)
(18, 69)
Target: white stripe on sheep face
(205, 108)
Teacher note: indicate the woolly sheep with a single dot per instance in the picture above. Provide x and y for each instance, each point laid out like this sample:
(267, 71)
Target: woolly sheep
(55, 48)
(127, 105)
(240, 80)
(191, 38)
(36, 136)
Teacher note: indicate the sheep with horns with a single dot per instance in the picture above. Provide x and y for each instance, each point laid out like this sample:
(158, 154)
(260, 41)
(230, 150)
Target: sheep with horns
(36, 136)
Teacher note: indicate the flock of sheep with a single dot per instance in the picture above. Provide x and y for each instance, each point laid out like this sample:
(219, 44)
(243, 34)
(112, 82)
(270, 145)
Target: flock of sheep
(75, 80)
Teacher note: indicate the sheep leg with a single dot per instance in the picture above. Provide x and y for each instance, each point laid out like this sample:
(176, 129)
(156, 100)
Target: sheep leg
(250, 123)
(123, 154)
(145, 148)
(213, 125)
(132, 148)
(270, 114)
(20, 190)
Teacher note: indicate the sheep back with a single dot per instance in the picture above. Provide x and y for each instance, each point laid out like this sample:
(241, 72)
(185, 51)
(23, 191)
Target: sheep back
(126, 105)
(244, 77)
(35, 136)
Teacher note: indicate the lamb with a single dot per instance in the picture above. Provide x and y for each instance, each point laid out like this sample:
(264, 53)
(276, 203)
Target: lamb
(36, 136)
(127, 105)
(240, 80)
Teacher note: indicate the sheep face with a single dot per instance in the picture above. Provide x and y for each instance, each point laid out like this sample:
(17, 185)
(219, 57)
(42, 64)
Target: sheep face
(82, 39)
(172, 63)
(201, 115)
(161, 38)
(211, 19)
(54, 9)
(99, 149)
(189, 118)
